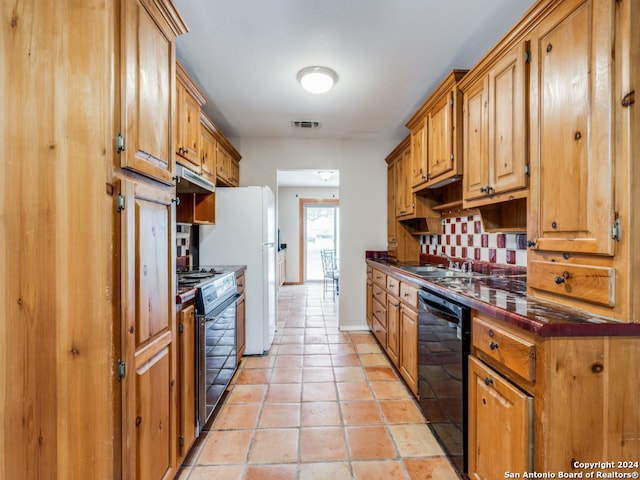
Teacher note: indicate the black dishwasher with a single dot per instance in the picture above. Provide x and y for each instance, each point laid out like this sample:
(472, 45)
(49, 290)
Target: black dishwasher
(443, 347)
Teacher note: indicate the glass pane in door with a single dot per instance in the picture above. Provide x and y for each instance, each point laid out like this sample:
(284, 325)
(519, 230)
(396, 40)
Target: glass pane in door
(321, 233)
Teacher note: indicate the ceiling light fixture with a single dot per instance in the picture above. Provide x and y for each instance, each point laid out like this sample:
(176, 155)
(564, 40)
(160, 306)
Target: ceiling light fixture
(317, 79)
(326, 175)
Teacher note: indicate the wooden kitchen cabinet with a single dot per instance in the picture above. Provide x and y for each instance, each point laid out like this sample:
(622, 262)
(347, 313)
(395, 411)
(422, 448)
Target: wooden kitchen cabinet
(529, 397)
(187, 328)
(227, 164)
(584, 139)
(393, 319)
(394, 322)
(436, 136)
(369, 297)
(144, 140)
(148, 332)
(494, 128)
(500, 425)
(207, 149)
(189, 102)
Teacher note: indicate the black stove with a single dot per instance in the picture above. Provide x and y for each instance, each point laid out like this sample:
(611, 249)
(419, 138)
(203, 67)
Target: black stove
(194, 277)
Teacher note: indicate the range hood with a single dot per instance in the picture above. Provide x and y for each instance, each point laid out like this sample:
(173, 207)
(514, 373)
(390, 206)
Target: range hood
(190, 182)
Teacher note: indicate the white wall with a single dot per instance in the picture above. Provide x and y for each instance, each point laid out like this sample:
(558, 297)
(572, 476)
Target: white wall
(363, 199)
(288, 205)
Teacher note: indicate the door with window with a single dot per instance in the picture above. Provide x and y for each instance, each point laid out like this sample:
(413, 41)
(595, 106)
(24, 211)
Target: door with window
(320, 231)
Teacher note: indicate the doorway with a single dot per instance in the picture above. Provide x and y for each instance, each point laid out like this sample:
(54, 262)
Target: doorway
(319, 230)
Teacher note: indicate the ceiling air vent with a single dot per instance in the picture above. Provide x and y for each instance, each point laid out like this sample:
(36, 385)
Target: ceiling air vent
(305, 124)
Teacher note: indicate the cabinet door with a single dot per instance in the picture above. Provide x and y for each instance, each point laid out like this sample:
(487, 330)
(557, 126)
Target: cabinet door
(500, 425)
(507, 122)
(575, 47)
(187, 380)
(148, 86)
(189, 125)
(393, 328)
(409, 347)
(391, 203)
(370, 304)
(476, 155)
(148, 331)
(440, 138)
(401, 185)
(208, 155)
(418, 161)
(408, 204)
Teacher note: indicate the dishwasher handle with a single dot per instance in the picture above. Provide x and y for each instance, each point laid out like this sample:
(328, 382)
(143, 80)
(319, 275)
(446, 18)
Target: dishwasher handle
(432, 301)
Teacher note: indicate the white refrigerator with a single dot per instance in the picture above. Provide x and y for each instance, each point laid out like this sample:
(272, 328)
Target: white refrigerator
(244, 234)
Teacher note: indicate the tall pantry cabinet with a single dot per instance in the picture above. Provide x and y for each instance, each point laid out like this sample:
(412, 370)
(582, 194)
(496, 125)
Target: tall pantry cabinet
(86, 222)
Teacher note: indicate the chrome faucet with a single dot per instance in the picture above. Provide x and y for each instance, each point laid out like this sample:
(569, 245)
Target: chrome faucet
(448, 260)
(467, 265)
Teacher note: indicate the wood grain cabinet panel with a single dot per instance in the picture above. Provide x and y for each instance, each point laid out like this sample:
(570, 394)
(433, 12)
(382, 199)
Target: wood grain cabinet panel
(186, 380)
(572, 60)
(148, 91)
(148, 333)
(500, 425)
(495, 134)
(393, 329)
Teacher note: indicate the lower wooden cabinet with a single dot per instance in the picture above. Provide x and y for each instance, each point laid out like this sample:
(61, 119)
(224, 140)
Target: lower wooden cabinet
(500, 425)
(186, 380)
(148, 331)
(408, 359)
(536, 404)
(393, 328)
(392, 315)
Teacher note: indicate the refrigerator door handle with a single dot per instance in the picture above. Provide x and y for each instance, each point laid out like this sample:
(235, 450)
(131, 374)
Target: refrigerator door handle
(268, 244)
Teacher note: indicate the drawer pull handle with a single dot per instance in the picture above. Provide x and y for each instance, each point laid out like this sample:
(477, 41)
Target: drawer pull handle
(561, 278)
(488, 381)
(493, 345)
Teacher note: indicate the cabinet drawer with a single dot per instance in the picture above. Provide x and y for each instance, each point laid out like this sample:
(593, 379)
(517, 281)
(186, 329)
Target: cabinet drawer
(409, 295)
(379, 294)
(393, 285)
(380, 313)
(379, 278)
(380, 331)
(593, 284)
(369, 272)
(516, 353)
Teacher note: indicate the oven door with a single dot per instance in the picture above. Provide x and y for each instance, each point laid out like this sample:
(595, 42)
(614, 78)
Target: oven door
(443, 348)
(217, 357)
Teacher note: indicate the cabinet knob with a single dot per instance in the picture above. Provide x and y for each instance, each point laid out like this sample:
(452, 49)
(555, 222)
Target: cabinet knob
(176, 200)
(488, 381)
(483, 189)
(562, 278)
(493, 345)
(531, 243)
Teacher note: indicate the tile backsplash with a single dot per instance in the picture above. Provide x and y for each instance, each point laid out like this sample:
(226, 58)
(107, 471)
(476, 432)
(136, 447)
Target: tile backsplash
(463, 237)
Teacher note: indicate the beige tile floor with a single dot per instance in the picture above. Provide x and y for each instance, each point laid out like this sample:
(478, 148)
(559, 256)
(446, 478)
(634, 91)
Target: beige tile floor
(323, 404)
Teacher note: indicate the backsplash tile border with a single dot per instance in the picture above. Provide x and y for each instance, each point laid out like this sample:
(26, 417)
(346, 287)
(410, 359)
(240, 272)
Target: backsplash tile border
(464, 237)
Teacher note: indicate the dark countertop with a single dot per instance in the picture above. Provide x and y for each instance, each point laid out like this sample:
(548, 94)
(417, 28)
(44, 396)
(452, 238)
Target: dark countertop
(503, 296)
(187, 294)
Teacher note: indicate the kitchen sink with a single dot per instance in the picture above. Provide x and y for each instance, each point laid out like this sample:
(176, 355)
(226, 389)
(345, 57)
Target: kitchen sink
(430, 271)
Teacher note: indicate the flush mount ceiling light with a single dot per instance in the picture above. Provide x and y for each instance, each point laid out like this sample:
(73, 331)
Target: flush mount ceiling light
(326, 175)
(317, 79)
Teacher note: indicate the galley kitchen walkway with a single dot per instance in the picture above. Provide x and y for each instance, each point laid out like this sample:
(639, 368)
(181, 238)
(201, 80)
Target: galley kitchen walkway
(324, 404)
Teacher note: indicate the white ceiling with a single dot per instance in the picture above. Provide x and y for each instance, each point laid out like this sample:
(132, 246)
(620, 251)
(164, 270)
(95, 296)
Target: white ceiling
(307, 178)
(389, 55)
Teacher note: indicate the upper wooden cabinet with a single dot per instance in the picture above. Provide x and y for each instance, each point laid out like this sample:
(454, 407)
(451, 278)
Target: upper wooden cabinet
(208, 146)
(573, 127)
(147, 88)
(188, 105)
(495, 128)
(436, 136)
(227, 165)
(584, 142)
